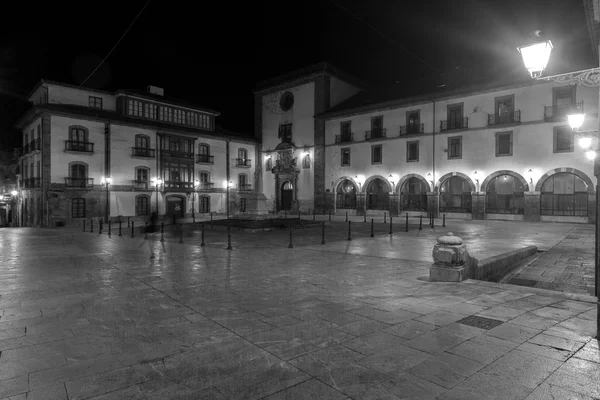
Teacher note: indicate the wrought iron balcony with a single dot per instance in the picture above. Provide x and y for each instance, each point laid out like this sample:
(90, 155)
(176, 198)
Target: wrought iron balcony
(31, 183)
(187, 186)
(143, 152)
(85, 147)
(205, 158)
(26, 149)
(141, 185)
(206, 186)
(511, 117)
(458, 123)
(244, 187)
(344, 138)
(375, 134)
(177, 154)
(412, 128)
(79, 182)
(34, 145)
(558, 112)
(243, 162)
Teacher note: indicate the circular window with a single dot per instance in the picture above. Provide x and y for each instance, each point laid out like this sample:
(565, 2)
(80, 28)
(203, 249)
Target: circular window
(287, 101)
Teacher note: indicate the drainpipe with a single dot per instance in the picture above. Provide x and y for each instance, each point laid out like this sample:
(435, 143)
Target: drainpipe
(227, 161)
(433, 148)
(156, 148)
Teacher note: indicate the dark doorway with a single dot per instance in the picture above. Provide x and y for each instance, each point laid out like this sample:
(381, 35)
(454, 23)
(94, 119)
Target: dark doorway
(175, 207)
(287, 194)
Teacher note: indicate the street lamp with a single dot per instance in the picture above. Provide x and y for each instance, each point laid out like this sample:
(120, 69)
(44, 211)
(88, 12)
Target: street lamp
(196, 188)
(229, 185)
(157, 182)
(106, 182)
(535, 60)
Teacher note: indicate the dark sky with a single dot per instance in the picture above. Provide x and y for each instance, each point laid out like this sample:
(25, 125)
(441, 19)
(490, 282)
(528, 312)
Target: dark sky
(214, 52)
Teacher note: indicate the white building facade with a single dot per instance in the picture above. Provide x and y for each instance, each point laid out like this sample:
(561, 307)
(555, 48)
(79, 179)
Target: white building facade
(74, 138)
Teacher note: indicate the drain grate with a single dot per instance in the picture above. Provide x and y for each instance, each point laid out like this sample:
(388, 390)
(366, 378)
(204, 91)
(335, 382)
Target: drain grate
(480, 322)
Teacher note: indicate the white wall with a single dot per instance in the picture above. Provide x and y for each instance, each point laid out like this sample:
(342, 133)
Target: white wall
(68, 95)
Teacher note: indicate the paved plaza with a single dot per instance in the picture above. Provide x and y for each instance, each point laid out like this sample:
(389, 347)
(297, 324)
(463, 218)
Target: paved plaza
(86, 316)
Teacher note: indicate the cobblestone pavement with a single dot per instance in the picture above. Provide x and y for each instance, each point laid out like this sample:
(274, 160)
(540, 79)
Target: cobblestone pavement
(88, 316)
(567, 267)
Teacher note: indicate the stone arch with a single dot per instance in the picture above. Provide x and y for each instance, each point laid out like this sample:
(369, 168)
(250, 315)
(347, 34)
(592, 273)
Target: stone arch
(371, 179)
(337, 182)
(574, 171)
(405, 178)
(451, 174)
(493, 175)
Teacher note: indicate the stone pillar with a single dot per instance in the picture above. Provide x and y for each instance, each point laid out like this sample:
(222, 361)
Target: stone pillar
(592, 208)
(478, 205)
(394, 204)
(432, 203)
(450, 260)
(532, 207)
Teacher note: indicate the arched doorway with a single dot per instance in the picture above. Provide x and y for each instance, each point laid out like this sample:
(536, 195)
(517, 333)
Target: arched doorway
(564, 193)
(413, 195)
(505, 194)
(345, 195)
(455, 195)
(378, 197)
(287, 195)
(175, 207)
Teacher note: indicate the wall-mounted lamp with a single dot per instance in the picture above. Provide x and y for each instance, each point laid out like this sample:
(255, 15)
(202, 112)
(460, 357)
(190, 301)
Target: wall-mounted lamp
(391, 178)
(358, 180)
(430, 180)
(530, 174)
(268, 156)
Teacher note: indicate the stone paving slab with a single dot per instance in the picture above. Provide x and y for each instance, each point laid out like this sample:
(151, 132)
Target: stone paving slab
(112, 318)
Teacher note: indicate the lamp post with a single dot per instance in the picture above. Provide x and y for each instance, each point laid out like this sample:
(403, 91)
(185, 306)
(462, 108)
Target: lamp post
(14, 193)
(196, 188)
(106, 182)
(536, 57)
(229, 184)
(157, 182)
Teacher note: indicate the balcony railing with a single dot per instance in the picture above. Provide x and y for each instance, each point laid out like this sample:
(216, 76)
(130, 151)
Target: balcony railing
(34, 145)
(511, 117)
(375, 134)
(458, 123)
(31, 183)
(179, 185)
(558, 112)
(205, 158)
(79, 182)
(344, 138)
(85, 147)
(140, 185)
(206, 186)
(412, 128)
(26, 148)
(177, 154)
(244, 187)
(243, 162)
(143, 152)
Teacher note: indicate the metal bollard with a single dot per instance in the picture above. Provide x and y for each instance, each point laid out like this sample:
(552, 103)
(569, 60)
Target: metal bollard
(406, 229)
(323, 233)
(430, 219)
(181, 234)
(349, 230)
(372, 228)
(421, 222)
(162, 231)
(100, 227)
(291, 246)
(109, 229)
(432, 222)
(120, 228)
(390, 224)
(84, 225)
(202, 229)
(384, 217)
(365, 217)
(346, 216)
(91, 225)
(193, 218)
(229, 237)
(132, 228)
(146, 230)
(128, 222)
(444, 220)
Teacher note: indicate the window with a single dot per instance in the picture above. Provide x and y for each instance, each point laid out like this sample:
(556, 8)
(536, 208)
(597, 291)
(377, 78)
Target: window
(178, 175)
(142, 174)
(166, 114)
(505, 195)
(142, 205)
(179, 116)
(78, 170)
(95, 102)
(345, 128)
(150, 110)
(204, 153)
(243, 204)
(413, 121)
(204, 177)
(345, 157)
(377, 126)
(204, 204)
(39, 131)
(26, 141)
(455, 147)
(564, 194)
(504, 112)
(78, 134)
(378, 197)
(242, 179)
(242, 154)
(455, 116)
(346, 195)
(134, 108)
(142, 141)
(503, 144)
(376, 154)
(285, 133)
(455, 195)
(306, 161)
(413, 195)
(563, 139)
(78, 208)
(38, 169)
(563, 97)
(412, 151)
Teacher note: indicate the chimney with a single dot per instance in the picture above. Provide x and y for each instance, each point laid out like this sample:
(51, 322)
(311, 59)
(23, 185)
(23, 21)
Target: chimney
(155, 90)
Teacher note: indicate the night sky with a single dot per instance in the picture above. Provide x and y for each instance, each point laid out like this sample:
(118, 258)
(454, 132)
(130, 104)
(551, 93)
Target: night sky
(214, 53)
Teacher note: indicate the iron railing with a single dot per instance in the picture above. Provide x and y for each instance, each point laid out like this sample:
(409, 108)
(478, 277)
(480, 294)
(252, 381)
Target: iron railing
(143, 185)
(85, 147)
(204, 186)
(412, 128)
(344, 138)
(34, 145)
(375, 134)
(450, 202)
(243, 162)
(345, 201)
(413, 201)
(557, 112)
(177, 154)
(32, 183)
(179, 185)
(511, 117)
(575, 204)
(244, 187)
(511, 203)
(205, 158)
(457, 123)
(79, 182)
(143, 152)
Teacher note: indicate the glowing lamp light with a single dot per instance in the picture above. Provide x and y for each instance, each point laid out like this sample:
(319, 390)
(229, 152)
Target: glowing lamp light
(14, 193)
(590, 154)
(268, 156)
(536, 56)
(157, 182)
(576, 120)
(585, 142)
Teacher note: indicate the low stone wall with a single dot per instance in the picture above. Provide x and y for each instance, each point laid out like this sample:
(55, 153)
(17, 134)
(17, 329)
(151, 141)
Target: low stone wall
(495, 268)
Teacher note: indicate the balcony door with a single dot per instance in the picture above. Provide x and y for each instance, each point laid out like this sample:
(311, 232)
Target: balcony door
(287, 195)
(505, 107)
(455, 116)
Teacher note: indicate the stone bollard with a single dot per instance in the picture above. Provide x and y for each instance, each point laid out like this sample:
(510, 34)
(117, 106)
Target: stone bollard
(450, 260)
